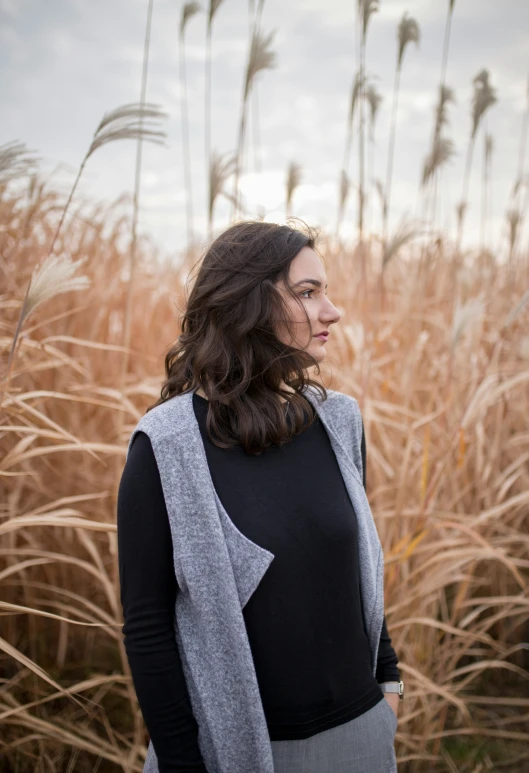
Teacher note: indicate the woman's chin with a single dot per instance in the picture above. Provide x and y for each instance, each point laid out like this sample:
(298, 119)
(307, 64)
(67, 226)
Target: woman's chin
(318, 352)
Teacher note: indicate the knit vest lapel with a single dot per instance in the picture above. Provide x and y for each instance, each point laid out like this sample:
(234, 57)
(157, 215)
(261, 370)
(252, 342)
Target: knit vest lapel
(340, 415)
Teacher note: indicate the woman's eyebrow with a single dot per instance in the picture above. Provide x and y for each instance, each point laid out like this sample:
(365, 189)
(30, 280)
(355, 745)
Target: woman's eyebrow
(315, 282)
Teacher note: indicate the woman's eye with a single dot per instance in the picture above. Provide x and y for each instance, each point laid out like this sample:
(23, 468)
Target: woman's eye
(306, 291)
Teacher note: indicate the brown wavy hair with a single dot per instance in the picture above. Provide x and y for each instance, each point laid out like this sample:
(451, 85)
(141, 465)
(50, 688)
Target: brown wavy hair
(228, 344)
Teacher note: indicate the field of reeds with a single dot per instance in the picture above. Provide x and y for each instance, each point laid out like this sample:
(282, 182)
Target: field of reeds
(433, 343)
(443, 383)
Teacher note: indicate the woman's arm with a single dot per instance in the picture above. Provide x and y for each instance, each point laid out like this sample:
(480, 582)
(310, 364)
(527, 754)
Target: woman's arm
(148, 593)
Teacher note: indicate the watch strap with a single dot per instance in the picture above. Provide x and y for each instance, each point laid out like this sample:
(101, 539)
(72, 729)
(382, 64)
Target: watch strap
(397, 687)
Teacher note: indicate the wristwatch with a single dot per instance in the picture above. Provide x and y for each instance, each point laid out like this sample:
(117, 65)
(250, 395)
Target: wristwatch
(393, 687)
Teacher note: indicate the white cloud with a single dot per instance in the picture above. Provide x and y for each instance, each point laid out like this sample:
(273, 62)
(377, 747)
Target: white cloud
(9, 8)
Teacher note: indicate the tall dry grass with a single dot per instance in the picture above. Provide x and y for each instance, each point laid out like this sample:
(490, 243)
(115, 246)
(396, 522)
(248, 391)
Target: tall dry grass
(443, 384)
(408, 32)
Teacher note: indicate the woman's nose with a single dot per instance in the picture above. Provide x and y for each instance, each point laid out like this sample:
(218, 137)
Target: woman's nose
(331, 313)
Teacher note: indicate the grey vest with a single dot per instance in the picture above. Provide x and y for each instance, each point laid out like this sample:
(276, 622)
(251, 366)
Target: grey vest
(217, 569)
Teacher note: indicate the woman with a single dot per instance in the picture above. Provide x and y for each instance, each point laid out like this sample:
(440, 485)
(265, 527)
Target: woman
(251, 570)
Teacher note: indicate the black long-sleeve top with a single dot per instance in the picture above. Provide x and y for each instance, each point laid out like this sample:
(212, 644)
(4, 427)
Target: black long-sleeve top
(304, 621)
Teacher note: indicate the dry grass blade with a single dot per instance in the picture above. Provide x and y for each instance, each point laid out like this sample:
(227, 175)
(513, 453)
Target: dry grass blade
(15, 161)
(464, 314)
(188, 11)
(57, 519)
(41, 451)
(76, 736)
(408, 32)
(18, 608)
(87, 684)
(82, 607)
(45, 557)
(14, 653)
(522, 303)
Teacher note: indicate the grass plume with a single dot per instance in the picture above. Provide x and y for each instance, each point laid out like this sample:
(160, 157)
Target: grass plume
(188, 11)
(221, 169)
(483, 97)
(408, 32)
(132, 121)
(441, 153)
(261, 57)
(294, 177)
(15, 161)
(56, 275)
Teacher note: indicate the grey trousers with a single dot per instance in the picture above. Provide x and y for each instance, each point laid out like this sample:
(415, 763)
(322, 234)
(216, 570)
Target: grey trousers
(365, 744)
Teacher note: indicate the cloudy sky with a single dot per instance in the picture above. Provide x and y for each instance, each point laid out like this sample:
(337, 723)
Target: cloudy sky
(64, 63)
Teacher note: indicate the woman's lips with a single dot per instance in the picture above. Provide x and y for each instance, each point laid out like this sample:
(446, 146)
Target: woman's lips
(322, 336)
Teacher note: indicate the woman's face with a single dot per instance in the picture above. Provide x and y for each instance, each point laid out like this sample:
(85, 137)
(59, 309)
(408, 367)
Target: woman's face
(306, 271)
